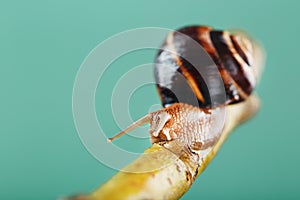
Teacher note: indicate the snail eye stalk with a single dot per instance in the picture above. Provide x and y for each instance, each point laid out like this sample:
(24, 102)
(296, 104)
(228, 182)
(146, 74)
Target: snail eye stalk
(134, 125)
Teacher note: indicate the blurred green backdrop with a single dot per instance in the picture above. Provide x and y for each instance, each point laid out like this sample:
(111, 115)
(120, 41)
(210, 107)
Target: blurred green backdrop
(42, 45)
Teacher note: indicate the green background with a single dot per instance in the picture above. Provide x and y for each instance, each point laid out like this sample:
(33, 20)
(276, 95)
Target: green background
(42, 45)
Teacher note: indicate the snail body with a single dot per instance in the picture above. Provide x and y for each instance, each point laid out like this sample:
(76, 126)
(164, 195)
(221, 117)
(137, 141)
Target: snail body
(195, 83)
(188, 124)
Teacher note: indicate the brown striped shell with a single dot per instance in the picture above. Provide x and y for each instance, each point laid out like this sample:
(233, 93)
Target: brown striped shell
(180, 81)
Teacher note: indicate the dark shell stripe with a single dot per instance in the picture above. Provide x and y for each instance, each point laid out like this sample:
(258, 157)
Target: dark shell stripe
(203, 34)
(234, 68)
(239, 49)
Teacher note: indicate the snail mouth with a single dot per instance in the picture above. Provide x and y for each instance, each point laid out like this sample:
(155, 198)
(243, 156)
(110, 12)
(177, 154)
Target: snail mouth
(158, 122)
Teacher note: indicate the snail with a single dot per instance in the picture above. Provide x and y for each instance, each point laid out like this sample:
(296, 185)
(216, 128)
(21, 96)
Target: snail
(194, 84)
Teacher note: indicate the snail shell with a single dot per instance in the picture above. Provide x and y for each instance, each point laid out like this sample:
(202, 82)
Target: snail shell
(180, 81)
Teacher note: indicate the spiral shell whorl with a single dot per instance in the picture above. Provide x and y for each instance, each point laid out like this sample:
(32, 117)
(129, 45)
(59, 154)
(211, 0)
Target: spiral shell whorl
(232, 53)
